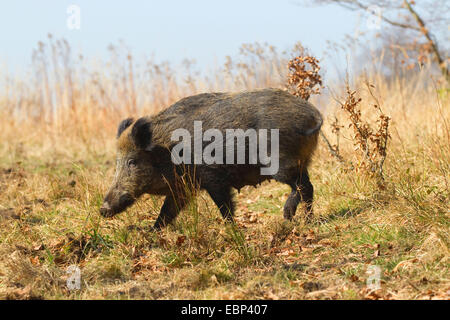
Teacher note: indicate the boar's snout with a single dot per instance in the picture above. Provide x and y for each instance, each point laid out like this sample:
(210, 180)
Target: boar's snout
(105, 209)
(114, 204)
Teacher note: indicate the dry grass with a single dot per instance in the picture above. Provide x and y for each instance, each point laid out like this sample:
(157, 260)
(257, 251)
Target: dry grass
(56, 161)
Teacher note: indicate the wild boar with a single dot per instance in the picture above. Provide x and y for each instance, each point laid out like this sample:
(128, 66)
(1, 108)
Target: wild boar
(147, 163)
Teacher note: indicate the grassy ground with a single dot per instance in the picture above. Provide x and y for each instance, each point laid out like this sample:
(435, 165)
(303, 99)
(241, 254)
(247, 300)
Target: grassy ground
(49, 220)
(55, 167)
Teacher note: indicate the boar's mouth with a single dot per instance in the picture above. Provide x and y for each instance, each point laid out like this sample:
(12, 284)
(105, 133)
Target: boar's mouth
(111, 208)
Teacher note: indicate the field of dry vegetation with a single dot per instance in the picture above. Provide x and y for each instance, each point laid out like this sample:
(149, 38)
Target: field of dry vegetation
(57, 155)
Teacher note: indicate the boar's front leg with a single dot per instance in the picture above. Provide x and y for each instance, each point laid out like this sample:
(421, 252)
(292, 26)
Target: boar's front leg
(169, 211)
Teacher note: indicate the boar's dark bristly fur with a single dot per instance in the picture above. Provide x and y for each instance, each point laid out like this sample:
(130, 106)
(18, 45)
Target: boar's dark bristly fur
(144, 162)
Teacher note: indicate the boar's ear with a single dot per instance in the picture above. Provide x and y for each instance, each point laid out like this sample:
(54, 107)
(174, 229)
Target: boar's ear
(123, 125)
(141, 133)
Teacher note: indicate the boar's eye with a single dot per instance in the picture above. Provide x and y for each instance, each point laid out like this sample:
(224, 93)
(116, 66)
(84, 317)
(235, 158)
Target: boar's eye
(131, 162)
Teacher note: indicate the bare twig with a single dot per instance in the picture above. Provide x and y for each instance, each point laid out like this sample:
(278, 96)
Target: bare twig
(430, 39)
(334, 152)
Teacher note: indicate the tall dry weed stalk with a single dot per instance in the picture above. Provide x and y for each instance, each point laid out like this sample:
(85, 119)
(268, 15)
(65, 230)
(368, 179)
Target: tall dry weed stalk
(370, 142)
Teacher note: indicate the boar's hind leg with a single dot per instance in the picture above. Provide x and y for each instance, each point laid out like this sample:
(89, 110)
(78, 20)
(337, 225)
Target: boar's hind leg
(223, 199)
(169, 211)
(302, 190)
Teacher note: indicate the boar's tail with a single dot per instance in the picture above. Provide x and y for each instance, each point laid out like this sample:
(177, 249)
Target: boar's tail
(316, 128)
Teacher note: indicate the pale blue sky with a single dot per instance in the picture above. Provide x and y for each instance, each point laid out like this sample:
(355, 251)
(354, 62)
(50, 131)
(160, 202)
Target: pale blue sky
(171, 30)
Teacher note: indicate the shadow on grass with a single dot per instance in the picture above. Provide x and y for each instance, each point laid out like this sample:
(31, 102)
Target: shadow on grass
(295, 267)
(344, 212)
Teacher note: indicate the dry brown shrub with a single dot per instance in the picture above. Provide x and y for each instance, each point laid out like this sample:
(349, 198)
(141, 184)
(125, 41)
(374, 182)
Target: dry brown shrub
(304, 76)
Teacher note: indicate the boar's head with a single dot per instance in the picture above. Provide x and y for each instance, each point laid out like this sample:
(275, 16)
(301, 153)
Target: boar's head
(138, 168)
